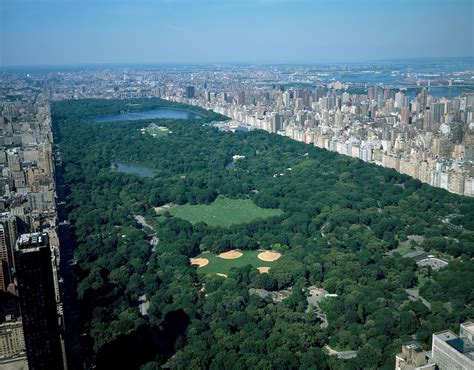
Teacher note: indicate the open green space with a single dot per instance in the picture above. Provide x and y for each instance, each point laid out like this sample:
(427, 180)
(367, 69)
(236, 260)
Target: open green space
(223, 212)
(362, 210)
(157, 131)
(223, 266)
(403, 250)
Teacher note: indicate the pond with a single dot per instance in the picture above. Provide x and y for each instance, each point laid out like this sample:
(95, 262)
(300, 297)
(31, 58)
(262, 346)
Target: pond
(133, 169)
(148, 114)
(230, 166)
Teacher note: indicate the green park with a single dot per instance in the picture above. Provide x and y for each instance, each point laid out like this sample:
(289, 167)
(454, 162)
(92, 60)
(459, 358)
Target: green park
(223, 212)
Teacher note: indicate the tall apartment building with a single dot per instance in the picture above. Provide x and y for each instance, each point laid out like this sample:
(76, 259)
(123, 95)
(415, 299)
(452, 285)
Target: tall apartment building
(241, 98)
(12, 340)
(35, 282)
(8, 235)
(190, 92)
(277, 122)
(452, 352)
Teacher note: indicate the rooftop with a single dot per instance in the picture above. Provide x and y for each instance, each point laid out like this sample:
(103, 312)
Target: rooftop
(446, 335)
(462, 345)
(31, 241)
(413, 346)
(469, 326)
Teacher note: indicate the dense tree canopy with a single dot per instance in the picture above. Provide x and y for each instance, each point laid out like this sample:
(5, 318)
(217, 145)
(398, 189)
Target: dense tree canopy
(342, 223)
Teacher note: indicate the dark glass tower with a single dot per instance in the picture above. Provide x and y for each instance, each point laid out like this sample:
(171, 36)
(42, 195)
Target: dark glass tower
(34, 277)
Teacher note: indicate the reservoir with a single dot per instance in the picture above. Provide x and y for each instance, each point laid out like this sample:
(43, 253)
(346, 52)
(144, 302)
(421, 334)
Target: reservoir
(148, 114)
(133, 170)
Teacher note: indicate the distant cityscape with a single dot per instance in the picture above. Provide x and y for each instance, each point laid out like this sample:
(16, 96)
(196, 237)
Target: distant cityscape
(415, 118)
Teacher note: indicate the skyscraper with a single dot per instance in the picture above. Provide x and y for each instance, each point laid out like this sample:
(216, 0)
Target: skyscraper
(8, 235)
(276, 123)
(422, 98)
(37, 301)
(190, 92)
(438, 110)
(241, 98)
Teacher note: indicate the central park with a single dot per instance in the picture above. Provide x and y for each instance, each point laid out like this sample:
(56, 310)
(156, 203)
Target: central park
(171, 243)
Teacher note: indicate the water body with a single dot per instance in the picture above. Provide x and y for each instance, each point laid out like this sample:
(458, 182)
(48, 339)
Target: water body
(442, 91)
(149, 114)
(229, 166)
(133, 170)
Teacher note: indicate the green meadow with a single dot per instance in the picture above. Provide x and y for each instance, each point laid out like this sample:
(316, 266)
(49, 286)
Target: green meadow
(223, 212)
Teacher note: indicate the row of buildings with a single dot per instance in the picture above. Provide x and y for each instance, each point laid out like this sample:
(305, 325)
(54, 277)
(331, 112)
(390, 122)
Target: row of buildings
(430, 139)
(31, 311)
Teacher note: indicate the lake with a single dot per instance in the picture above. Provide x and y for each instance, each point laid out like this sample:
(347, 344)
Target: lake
(149, 114)
(133, 170)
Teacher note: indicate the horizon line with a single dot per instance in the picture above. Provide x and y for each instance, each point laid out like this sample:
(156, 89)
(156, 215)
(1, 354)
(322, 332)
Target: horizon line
(248, 63)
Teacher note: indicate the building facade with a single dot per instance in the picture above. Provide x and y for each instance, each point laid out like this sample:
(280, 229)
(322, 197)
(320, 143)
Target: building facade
(35, 282)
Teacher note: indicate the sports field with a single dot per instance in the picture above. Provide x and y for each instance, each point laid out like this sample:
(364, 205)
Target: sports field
(213, 264)
(223, 212)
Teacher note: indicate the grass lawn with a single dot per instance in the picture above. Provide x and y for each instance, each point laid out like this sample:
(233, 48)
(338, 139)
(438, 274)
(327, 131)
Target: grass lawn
(223, 212)
(157, 131)
(404, 250)
(421, 279)
(223, 266)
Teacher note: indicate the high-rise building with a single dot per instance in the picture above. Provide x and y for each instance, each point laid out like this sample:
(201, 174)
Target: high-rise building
(14, 162)
(427, 120)
(405, 116)
(371, 92)
(190, 92)
(276, 123)
(452, 352)
(241, 98)
(286, 98)
(422, 98)
(34, 276)
(437, 110)
(223, 97)
(8, 235)
(46, 160)
(12, 341)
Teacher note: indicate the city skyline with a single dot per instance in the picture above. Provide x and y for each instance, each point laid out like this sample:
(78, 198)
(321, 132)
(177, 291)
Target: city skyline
(51, 32)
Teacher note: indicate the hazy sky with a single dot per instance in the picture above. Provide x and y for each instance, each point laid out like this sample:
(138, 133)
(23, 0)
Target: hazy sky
(37, 32)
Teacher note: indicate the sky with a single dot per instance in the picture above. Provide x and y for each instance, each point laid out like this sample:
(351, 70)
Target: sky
(61, 32)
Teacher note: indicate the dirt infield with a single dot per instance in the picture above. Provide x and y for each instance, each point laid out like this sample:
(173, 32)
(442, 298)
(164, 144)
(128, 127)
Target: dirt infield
(269, 256)
(230, 255)
(263, 270)
(199, 261)
(163, 208)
